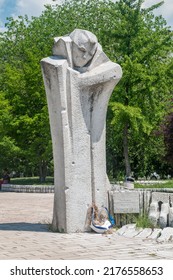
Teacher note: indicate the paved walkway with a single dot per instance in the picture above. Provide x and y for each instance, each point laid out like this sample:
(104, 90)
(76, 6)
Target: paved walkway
(24, 235)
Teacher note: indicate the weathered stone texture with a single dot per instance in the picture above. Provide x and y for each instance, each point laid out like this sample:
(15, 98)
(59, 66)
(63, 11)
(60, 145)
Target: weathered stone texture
(79, 80)
(160, 196)
(126, 202)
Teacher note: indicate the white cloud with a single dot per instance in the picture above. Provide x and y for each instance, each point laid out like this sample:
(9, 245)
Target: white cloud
(35, 7)
(166, 10)
(31, 7)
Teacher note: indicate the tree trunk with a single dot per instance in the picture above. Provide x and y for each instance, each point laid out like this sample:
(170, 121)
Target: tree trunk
(43, 171)
(126, 151)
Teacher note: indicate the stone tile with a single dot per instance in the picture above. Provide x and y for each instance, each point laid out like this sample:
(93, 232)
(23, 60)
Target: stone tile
(155, 233)
(132, 232)
(124, 228)
(20, 237)
(146, 232)
(166, 235)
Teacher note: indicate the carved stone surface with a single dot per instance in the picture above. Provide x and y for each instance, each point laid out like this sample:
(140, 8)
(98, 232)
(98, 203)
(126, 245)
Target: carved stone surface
(155, 233)
(171, 216)
(171, 198)
(125, 228)
(166, 235)
(163, 218)
(160, 211)
(132, 232)
(160, 196)
(144, 233)
(158, 234)
(79, 79)
(126, 202)
(154, 212)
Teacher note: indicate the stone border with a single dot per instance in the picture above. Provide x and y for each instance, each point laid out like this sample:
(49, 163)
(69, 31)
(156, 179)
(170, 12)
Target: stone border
(50, 188)
(27, 188)
(158, 234)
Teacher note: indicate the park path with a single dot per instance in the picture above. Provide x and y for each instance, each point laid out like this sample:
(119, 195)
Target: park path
(25, 235)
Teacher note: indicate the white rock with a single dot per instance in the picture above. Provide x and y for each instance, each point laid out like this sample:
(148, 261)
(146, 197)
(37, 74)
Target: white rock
(128, 230)
(160, 196)
(166, 235)
(163, 218)
(122, 230)
(154, 212)
(132, 232)
(146, 232)
(171, 216)
(155, 233)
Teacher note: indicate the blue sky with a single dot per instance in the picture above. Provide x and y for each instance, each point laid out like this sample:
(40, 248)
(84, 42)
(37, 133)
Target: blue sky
(34, 8)
(5, 9)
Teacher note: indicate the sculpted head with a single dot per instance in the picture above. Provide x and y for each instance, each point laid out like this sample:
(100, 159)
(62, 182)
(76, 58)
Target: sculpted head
(84, 46)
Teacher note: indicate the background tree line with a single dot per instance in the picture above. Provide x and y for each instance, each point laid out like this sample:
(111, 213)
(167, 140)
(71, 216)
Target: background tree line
(137, 135)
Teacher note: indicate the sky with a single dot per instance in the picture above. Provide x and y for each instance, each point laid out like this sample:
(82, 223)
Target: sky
(15, 8)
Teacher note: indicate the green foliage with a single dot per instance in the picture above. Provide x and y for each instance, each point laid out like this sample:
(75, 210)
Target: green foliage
(32, 181)
(23, 88)
(130, 36)
(5, 115)
(131, 114)
(10, 153)
(143, 48)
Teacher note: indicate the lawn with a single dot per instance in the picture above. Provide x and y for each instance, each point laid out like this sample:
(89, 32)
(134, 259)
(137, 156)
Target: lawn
(159, 185)
(50, 181)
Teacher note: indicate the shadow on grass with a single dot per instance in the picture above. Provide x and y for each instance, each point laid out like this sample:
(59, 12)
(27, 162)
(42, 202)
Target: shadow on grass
(24, 227)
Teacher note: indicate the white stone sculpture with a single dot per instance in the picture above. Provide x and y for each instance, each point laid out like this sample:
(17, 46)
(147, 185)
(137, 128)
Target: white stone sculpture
(79, 79)
(171, 216)
(163, 218)
(154, 212)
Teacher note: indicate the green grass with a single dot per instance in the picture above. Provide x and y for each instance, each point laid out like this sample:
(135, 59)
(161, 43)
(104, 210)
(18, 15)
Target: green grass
(142, 221)
(31, 181)
(165, 185)
(50, 181)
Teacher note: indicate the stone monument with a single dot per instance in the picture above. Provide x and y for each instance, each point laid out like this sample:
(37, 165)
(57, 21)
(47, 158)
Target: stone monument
(79, 79)
(160, 209)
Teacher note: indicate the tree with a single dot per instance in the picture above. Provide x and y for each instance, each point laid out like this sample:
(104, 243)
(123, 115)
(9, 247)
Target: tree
(22, 85)
(8, 148)
(129, 34)
(167, 132)
(143, 46)
(24, 44)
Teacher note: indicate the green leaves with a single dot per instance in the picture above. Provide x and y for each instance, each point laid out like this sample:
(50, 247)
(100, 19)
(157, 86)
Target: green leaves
(143, 44)
(5, 114)
(130, 35)
(10, 152)
(131, 115)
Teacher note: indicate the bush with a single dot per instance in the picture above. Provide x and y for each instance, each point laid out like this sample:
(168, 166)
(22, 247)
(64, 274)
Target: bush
(32, 181)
